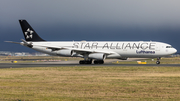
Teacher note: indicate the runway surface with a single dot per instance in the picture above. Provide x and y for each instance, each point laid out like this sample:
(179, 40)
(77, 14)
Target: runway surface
(74, 63)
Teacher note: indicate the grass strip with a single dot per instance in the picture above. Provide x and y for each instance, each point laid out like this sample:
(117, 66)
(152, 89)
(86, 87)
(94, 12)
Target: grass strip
(90, 83)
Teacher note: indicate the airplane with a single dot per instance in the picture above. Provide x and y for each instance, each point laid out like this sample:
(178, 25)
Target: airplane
(94, 51)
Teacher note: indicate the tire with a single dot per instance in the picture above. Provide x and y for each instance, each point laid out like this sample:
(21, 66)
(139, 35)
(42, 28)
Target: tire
(85, 62)
(81, 62)
(98, 62)
(157, 62)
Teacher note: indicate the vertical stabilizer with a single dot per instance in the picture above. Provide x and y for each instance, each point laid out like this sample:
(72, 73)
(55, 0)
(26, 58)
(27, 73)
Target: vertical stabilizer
(29, 32)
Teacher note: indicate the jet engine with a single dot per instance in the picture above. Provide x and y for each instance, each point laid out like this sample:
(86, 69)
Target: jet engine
(98, 56)
(65, 52)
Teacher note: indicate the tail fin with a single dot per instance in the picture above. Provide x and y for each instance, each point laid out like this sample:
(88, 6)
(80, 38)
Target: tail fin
(28, 31)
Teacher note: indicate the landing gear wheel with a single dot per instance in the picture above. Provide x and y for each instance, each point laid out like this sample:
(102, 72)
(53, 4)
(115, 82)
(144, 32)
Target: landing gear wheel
(81, 62)
(98, 61)
(85, 62)
(157, 62)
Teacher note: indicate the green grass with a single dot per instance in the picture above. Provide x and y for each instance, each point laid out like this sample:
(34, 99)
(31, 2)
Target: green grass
(90, 83)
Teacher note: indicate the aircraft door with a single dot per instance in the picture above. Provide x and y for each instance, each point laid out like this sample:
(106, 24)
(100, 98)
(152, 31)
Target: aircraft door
(158, 47)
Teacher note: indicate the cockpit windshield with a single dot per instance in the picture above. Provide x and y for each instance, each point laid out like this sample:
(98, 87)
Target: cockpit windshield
(169, 47)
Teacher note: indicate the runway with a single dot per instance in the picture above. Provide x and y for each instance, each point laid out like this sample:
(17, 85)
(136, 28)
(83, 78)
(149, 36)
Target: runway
(74, 63)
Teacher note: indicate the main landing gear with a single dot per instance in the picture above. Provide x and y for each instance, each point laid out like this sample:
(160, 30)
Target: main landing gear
(158, 60)
(98, 61)
(85, 61)
(90, 61)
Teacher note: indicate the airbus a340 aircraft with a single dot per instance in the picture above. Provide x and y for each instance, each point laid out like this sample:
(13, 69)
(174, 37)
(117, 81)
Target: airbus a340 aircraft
(95, 50)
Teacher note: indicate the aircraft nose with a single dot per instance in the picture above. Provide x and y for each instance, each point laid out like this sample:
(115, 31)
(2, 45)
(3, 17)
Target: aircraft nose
(174, 50)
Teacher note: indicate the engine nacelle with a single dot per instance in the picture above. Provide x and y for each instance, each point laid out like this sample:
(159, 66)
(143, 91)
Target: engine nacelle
(98, 56)
(65, 52)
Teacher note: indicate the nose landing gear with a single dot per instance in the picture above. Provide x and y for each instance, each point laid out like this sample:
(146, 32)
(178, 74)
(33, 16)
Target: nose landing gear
(158, 60)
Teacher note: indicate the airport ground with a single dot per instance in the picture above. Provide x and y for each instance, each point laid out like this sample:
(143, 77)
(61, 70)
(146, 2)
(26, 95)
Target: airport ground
(92, 82)
(69, 60)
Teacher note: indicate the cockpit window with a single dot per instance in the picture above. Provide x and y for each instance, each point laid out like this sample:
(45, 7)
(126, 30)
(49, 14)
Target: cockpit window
(169, 47)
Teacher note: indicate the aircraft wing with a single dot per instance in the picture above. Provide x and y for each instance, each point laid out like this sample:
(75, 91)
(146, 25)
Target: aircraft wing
(79, 51)
(82, 51)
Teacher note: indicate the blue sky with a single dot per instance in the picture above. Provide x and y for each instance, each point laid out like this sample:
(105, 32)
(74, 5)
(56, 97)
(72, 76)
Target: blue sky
(111, 20)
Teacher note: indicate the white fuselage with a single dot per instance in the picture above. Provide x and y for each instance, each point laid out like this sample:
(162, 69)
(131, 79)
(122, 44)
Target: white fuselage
(113, 49)
(95, 51)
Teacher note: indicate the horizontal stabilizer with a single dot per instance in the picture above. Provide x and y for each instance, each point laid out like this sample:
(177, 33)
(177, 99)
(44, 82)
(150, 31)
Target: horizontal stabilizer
(13, 42)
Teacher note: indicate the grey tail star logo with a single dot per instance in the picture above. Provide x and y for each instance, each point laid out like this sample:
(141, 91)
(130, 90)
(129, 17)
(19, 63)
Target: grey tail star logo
(29, 34)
